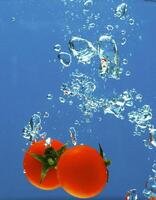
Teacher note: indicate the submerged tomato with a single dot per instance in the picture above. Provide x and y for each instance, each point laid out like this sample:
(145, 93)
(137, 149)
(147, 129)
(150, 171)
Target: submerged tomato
(40, 167)
(82, 171)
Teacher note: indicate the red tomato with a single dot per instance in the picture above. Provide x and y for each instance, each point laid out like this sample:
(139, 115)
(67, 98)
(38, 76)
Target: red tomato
(33, 167)
(82, 171)
(153, 198)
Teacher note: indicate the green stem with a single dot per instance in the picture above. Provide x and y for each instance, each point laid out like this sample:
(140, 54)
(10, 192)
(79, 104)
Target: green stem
(48, 160)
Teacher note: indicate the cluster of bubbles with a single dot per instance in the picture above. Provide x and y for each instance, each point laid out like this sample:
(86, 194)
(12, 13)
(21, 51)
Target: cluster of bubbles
(83, 50)
(121, 12)
(142, 118)
(32, 132)
(83, 87)
(117, 105)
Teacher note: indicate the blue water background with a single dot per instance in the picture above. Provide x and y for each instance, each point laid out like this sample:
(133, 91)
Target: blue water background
(28, 73)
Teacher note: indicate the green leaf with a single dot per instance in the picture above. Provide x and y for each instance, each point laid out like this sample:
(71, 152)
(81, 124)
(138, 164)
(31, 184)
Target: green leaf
(45, 169)
(62, 149)
(101, 150)
(38, 157)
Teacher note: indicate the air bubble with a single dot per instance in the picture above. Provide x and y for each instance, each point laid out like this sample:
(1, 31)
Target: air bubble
(77, 122)
(88, 4)
(131, 21)
(13, 19)
(110, 27)
(70, 102)
(65, 59)
(91, 26)
(46, 115)
(49, 96)
(125, 61)
(62, 100)
(128, 73)
(57, 47)
(121, 11)
(123, 32)
(82, 49)
(139, 97)
(124, 40)
(108, 54)
(73, 134)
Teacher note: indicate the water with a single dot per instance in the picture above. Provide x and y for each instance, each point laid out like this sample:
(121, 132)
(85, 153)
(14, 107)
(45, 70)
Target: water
(88, 67)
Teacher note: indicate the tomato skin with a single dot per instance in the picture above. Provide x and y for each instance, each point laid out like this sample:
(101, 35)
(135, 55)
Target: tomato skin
(82, 171)
(33, 167)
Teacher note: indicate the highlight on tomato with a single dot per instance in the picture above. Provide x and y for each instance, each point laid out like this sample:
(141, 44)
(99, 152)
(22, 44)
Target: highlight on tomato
(82, 171)
(40, 164)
